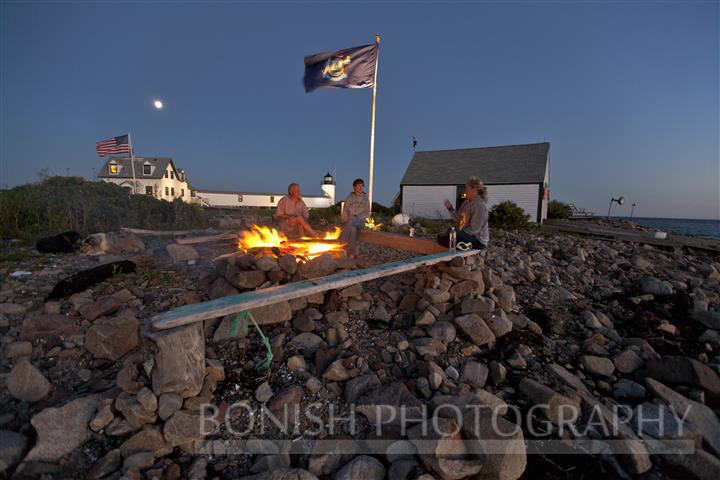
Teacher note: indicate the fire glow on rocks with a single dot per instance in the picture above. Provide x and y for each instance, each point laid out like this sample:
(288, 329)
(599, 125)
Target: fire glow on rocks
(274, 241)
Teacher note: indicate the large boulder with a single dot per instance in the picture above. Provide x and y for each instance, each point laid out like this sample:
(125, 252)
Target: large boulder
(12, 446)
(103, 306)
(49, 325)
(442, 450)
(500, 444)
(556, 407)
(270, 314)
(320, 266)
(475, 329)
(181, 253)
(179, 360)
(27, 383)
(61, 430)
(112, 337)
(186, 426)
(679, 370)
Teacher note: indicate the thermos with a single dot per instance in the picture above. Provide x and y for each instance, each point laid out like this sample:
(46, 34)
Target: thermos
(453, 239)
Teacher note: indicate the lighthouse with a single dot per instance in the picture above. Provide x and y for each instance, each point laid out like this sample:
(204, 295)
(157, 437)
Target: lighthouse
(328, 187)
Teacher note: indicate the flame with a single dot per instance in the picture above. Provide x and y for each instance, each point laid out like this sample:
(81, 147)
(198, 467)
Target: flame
(266, 237)
(370, 223)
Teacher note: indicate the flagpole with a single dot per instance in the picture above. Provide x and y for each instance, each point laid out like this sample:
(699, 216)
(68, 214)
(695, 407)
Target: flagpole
(132, 162)
(372, 128)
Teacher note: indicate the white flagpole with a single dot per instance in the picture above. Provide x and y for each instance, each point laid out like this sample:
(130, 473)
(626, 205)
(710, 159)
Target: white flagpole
(132, 162)
(372, 131)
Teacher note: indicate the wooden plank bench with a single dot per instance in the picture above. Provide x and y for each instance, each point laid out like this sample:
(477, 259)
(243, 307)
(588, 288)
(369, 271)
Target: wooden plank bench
(258, 298)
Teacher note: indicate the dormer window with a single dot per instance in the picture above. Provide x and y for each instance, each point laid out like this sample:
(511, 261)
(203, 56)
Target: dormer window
(172, 175)
(146, 169)
(113, 168)
(166, 174)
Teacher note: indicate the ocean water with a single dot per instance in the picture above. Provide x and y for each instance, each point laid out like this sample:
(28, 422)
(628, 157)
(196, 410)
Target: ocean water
(682, 226)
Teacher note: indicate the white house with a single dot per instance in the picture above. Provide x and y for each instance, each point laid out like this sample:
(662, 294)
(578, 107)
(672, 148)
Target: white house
(215, 198)
(515, 172)
(156, 176)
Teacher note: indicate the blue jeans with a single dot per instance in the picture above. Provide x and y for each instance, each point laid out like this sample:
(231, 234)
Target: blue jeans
(462, 236)
(351, 234)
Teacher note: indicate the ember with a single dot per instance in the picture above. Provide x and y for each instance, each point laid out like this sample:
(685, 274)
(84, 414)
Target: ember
(271, 241)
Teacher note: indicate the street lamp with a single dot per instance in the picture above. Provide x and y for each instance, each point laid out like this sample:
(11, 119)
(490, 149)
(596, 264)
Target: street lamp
(620, 200)
(632, 211)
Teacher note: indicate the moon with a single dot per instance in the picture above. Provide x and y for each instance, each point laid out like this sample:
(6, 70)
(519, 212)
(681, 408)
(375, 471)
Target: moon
(158, 104)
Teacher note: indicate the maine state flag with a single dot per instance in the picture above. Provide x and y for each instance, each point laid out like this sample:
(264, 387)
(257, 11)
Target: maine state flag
(348, 68)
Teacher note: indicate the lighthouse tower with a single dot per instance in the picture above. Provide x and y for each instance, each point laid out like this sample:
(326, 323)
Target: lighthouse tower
(328, 188)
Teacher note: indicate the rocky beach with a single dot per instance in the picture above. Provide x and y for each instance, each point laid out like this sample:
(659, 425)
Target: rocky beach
(514, 337)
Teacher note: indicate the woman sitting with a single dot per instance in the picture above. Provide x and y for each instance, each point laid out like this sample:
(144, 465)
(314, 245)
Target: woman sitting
(472, 218)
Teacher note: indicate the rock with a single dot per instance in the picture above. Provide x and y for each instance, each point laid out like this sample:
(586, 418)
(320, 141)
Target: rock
(266, 263)
(103, 417)
(221, 288)
(696, 414)
(135, 414)
(113, 243)
(499, 323)
(640, 263)
(567, 377)
(678, 370)
(247, 279)
(660, 422)
(336, 372)
(355, 305)
(435, 295)
(506, 297)
(62, 429)
(147, 399)
(474, 374)
(296, 363)
(318, 267)
(556, 407)
(18, 349)
(47, 326)
(263, 393)
(108, 464)
(12, 446)
(149, 439)
(424, 318)
(357, 386)
(442, 331)
(127, 379)
(653, 286)
(112, 337)
(11, 309)
(465, 288)
(626, 389)
(480, 305)
(442, 405)
(288, 264)
(627, 361)
(597, 365)
(436, 375)
(271, 314)
(303, 323)
(103, 306)
(169, 403)
(139, 461)
(498, 372)
(505, 457)
(313, 385)
(186, 426)
(475, 329)
(382, 405)
(355, 290)
(699, 465)
(442, 450)
(179, 360)
(286, 405)
(408, 302)
(308, 342)
(400, 450)
(282, 474)
(362, 467)
(381, 314)
(27, 383)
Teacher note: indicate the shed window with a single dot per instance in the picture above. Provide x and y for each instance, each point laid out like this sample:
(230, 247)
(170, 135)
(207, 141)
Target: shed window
(113, 168)
(182, 192)
(146, 169)
(166, 174)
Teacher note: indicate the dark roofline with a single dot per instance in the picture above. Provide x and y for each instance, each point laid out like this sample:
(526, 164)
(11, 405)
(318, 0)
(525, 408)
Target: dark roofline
(482, 148)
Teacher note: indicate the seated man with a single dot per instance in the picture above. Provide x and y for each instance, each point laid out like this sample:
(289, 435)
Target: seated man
(292, 214)
(356, 210)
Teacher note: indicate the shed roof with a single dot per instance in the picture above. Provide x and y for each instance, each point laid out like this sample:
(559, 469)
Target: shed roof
(493, 165)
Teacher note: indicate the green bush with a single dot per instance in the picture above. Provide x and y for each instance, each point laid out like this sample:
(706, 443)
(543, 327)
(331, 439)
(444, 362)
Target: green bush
(326, 216)
(58, 204)
(559, 210)
(508, 216)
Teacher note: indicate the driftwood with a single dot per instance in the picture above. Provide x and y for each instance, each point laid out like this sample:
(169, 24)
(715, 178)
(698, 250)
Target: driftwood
(85, 279)
(158, 233)
(206, 238)
(268, 296)
(401, 242)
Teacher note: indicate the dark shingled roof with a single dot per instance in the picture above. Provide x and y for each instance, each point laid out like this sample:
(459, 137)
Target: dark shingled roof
(508, 164)
(125, 169)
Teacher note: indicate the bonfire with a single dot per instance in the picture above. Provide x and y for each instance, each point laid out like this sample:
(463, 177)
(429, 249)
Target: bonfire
(269, 241)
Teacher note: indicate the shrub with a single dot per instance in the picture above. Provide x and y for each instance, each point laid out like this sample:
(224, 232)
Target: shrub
(326, 216)
(58, 204)
(559, 210)
(508, 216)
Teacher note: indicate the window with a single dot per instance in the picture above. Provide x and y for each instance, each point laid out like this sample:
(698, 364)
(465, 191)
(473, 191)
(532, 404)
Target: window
(172, 175)
(166, 174)
(167, 191)
(146, 169)
(272, 199)
(240, 198)
(192, 193)
(172, 191)
(113, 168)
(182, 192)
(148, 190)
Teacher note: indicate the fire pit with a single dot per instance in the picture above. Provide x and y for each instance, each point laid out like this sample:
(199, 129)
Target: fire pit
(269, 241)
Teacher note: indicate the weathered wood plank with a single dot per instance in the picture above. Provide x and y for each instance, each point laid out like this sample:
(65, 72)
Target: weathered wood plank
(206, 238)
(401, 242)
(268, 296)
(158, 233)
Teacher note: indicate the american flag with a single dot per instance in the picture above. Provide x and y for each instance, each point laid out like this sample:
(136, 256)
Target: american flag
(113, 145)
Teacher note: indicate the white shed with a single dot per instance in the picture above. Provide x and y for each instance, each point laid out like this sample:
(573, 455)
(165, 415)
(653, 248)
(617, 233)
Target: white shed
(518, 173)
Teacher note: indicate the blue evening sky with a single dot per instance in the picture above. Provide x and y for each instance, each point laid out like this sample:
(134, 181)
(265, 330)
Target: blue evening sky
(625, 92)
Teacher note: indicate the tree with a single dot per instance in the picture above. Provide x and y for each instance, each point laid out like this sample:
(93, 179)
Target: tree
(559, 210)
(508, 216)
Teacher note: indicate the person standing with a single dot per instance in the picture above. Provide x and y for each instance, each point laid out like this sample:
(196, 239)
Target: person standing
(292, 214)
(355, 211)
(472, 218)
